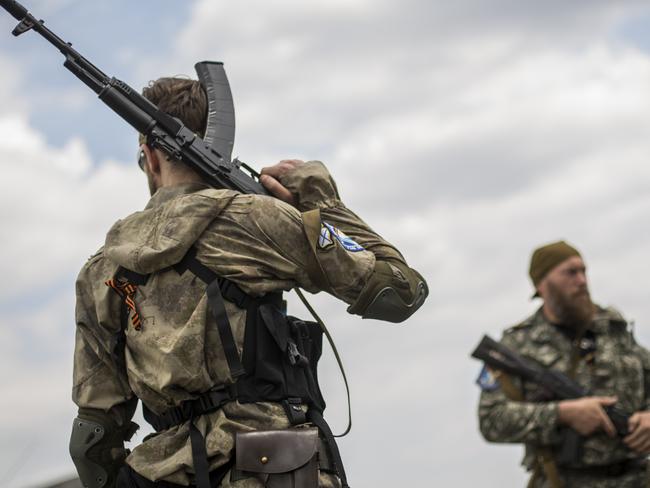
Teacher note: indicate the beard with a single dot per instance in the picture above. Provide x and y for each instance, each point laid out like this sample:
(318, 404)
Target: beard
(574, 309)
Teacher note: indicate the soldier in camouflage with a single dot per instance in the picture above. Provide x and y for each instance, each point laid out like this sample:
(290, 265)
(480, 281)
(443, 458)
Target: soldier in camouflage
(169, 353)
(594, 346)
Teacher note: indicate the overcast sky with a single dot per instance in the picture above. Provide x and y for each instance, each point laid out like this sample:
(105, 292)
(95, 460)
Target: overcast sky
(467, 133)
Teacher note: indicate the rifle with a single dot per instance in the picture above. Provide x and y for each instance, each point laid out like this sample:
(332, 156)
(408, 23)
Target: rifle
(209, 156)
(560, 386)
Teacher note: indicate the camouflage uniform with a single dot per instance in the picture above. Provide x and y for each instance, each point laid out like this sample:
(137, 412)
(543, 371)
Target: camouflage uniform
(619, 367)
(255, 241)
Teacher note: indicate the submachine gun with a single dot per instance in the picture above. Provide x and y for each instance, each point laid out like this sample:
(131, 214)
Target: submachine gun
(210, 156)
(498, 357)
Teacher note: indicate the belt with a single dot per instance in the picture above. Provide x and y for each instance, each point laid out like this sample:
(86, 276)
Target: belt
(609, 470)
(190, 409)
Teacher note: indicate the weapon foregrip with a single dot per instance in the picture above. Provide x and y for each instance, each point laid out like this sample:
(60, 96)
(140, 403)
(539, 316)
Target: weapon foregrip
(14, 8)
(125, 108)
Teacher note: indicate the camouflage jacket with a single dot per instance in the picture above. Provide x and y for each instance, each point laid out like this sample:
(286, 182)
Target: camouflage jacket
(259, 243)
(619, 367)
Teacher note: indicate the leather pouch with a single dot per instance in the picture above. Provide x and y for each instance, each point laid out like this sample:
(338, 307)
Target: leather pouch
(278, 458)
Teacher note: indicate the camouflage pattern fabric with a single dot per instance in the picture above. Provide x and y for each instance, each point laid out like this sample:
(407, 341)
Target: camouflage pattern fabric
(634, 479)
(619, 367)
(259, 243)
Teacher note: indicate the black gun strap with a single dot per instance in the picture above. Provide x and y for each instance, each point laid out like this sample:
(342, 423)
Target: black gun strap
(316, 418)
(336, 355)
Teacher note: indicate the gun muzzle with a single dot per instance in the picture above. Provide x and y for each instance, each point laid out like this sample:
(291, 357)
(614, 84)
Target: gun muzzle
(14, 8)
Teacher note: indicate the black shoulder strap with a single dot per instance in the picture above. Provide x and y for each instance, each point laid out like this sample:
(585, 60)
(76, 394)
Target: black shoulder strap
(217, 289)
(132, 276)
(191, 263)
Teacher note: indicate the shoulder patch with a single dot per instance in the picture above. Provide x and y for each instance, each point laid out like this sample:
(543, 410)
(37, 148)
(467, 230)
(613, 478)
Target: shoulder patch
(325, 239)
(329, 233)
(486, 380)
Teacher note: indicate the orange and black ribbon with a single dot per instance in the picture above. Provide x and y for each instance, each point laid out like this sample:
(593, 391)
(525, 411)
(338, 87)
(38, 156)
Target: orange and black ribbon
(127, 291)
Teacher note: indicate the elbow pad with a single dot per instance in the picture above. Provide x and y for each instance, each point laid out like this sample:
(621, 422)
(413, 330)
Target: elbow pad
(85, 435)
(393, 293)
(97, 448)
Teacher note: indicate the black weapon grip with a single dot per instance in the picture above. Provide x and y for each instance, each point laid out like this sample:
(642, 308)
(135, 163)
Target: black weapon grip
(619, 418)
(14, 8)
(570, 451)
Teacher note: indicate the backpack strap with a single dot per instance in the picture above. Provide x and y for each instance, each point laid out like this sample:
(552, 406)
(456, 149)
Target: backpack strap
(218, 288)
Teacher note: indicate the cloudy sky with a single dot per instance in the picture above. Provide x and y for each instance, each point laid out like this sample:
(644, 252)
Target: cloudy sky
(466, 132)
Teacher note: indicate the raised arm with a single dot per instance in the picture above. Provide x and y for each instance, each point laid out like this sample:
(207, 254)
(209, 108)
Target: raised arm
(393, 291)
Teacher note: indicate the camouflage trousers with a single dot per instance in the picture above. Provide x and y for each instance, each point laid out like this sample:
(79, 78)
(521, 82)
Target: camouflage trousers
(637, 478)
(324, 481)
(130, 479)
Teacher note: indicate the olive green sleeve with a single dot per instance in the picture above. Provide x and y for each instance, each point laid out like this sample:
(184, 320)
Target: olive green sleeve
(99, 373)
(393, 291)
(100, 385)
(504, 420)
(314, 188)
(509, 421)
(265, 244)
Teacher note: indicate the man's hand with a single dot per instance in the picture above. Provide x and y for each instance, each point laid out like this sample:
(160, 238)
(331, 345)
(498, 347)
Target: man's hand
(586, 415)
(271, 176)
(639, 437)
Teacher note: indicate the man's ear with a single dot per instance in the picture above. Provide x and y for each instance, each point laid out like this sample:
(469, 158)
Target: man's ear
(151, 159)
(542, 287)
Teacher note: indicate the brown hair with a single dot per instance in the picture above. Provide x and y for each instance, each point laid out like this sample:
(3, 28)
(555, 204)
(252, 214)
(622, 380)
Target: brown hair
(182, 98)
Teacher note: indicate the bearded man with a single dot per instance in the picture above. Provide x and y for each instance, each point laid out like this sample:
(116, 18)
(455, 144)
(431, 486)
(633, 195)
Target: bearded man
(595, 347)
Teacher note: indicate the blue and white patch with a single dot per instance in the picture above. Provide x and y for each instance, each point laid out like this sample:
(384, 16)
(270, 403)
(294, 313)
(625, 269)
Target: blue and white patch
(325, 238)
(486, 380)
(345, 241)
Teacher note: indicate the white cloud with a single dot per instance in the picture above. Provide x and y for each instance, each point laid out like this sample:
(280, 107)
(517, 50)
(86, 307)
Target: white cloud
(55, 205)
(466, 133)
(8, 83)
(467, 143)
